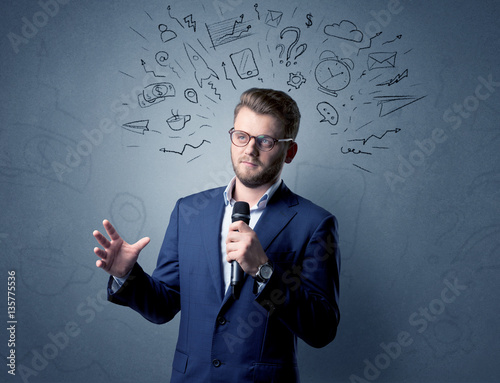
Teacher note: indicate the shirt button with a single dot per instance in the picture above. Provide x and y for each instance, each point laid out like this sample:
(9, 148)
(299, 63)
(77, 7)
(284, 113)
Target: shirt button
(216, 362)
(221, 320)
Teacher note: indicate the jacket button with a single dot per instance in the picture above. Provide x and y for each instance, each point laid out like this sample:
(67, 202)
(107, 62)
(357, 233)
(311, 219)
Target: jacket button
(221, 320)
(216, 362)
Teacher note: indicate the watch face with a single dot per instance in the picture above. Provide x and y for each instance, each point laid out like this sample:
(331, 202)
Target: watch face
(332, 74)
(266, 271)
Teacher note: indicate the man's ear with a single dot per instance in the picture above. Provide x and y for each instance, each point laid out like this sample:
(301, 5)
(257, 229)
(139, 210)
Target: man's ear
(291, 152)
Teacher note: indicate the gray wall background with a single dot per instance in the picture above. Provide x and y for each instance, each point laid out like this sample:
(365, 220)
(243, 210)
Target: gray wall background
(407, 159)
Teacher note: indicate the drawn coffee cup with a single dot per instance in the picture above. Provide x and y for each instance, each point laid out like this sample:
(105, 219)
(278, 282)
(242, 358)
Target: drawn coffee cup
(177, 122)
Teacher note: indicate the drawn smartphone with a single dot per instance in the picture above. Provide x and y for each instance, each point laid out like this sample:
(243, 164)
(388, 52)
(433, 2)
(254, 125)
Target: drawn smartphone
(244, 63)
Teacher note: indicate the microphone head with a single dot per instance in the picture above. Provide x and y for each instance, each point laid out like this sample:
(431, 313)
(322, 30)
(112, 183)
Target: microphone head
(241, 212)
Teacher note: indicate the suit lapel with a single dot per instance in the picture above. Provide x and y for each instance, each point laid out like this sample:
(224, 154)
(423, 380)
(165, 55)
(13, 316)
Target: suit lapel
(210, 232)
(276, 216)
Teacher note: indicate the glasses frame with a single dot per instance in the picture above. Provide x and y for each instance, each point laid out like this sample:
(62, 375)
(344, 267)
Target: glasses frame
(275, 140)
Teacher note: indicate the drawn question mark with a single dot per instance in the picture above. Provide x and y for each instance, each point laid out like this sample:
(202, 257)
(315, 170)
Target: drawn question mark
(302, 47)
(282, 51)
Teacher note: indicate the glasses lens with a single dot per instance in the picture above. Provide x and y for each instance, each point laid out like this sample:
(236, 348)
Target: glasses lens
(265, 143)
(239, 138)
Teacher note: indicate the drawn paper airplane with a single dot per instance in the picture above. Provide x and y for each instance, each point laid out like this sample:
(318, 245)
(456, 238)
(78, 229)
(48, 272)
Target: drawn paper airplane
(201, 69)
(139, 126)
(389, 104)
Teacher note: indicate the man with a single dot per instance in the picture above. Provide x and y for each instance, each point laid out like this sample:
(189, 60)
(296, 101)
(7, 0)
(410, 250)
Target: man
(288, 253)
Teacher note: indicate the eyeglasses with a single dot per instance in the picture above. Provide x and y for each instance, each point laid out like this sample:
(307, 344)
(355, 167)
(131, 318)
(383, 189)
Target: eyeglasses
(263, 142)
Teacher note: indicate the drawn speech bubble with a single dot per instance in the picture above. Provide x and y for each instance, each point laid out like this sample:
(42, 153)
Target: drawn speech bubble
(328, 112)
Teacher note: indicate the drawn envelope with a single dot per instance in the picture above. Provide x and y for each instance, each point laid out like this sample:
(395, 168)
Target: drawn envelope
(273, 18)
(381, 60)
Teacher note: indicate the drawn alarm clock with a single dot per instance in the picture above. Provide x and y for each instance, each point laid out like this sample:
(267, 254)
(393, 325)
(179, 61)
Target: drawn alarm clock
(333, 74)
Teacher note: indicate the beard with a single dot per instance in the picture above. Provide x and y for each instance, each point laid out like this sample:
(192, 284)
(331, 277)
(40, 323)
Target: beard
(266, 175)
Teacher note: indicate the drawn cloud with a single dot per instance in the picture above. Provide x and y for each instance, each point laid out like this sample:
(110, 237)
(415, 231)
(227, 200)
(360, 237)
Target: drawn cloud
(345, 30)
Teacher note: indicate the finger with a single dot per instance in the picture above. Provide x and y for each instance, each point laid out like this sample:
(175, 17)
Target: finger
(240, 226)
(103, 241)
(100, 264)
(113, 234)
(141, 243)
(100, 253)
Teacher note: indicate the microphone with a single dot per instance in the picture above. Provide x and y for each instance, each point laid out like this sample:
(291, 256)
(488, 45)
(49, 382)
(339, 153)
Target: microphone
(241, 212)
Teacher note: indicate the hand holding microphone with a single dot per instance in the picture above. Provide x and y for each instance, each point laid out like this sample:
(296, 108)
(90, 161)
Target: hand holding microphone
(241, 212)
(243, 248)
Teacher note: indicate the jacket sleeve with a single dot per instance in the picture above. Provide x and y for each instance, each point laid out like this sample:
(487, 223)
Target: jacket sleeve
(156, 297)
(305, 296)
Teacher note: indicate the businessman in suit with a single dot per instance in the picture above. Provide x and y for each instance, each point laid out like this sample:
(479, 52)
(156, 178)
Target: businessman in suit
(288, 253)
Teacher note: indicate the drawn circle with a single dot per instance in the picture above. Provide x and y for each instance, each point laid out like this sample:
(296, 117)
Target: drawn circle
(162, 28)
(161, 58)
(159, 90)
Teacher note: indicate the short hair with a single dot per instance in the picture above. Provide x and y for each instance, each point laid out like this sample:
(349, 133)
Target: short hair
(275, 103)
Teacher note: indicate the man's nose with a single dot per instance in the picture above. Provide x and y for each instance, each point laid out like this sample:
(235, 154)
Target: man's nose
(251, 148)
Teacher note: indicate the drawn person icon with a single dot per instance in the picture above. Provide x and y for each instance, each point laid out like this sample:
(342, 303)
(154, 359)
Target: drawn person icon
(166, 34)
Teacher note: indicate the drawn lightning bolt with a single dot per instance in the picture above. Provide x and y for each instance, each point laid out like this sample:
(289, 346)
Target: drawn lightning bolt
(189, 21)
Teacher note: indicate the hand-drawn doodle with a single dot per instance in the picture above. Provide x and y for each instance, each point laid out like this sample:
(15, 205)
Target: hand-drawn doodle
(370, 43)
(201, 69)
(143, 63)
(389, 104)
(296, 80)
(227, 31)
(189, 21)
(155, 93)
(300, 49)
(345, 30)
(166, 34)
(380, 60)
(169, 8)
(139, 34)
(365, 140)
(139, 126)
(309, 22)
(178, 122)
(184, 148)
(214, 89)
(328, 112)
(333, 74)
(244, 63)
(395, 80)
(353, 151)
(391, 41)
(255, 6)
(191, 95)
(225, 74)
(273, 18)
(161, 58)
(282, 49)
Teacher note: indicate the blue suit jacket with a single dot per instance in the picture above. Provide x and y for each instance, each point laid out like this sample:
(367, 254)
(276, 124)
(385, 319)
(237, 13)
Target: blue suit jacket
(253, 338)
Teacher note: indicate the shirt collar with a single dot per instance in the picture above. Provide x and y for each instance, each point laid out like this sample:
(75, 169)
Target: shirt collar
(228, 194)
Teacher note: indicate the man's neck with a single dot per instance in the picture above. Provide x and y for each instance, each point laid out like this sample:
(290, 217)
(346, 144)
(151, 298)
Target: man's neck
(250, 195)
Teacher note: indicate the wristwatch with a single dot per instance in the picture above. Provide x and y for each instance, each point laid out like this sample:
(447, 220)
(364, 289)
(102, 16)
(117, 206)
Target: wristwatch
(264, 272)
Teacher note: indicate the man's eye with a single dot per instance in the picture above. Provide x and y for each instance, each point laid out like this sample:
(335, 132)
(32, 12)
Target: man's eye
(265, 140)
(241, 137)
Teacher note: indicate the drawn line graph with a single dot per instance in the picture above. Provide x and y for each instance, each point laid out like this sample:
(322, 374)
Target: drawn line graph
(365, 140)
(184, 148)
